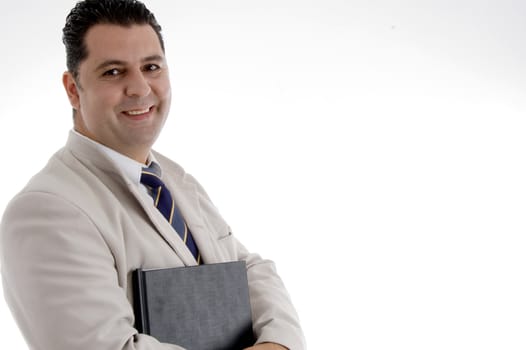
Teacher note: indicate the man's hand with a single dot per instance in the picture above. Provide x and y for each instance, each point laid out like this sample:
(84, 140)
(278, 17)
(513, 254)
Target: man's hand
(267, 346)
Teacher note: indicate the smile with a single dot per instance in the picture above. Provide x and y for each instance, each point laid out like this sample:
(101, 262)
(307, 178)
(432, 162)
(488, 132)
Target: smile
(138, 111)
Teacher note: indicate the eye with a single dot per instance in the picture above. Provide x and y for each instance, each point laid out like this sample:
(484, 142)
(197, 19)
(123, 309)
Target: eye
(112, 72)
(151, 67)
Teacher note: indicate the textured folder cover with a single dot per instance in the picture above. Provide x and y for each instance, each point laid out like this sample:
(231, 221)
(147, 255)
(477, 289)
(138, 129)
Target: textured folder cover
(203, 307)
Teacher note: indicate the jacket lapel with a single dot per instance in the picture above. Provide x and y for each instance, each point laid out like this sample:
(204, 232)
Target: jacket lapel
(164, 228)
(187, 196)
(187, 199)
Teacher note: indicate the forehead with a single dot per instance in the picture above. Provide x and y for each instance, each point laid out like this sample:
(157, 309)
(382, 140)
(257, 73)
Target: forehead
(129, 44)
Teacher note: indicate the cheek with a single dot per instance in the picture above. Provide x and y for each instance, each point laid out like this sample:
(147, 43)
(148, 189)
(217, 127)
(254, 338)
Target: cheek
(100, 100)
(163, 89)
(168, 97)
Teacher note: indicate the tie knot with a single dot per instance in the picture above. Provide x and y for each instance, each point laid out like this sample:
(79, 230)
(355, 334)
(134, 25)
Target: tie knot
(151, 176)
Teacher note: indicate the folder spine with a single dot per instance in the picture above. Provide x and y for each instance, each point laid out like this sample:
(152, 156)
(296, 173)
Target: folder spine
(140, 305)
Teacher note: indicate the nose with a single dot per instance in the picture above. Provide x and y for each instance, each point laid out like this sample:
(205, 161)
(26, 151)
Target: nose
(137, 85)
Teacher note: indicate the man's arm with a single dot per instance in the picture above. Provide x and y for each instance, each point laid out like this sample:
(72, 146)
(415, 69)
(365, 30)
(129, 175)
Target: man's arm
(274, 317)
(60, 279)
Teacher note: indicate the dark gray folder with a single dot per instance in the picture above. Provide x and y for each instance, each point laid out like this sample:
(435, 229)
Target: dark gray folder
(203, 307)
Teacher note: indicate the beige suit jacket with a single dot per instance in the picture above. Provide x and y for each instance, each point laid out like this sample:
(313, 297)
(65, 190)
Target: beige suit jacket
(72, 237)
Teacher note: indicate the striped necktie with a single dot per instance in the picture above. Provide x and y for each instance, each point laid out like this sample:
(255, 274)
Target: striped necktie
(164, 201)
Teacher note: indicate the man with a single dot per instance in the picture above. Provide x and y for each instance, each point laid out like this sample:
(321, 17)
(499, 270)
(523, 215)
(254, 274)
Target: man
(72, 237)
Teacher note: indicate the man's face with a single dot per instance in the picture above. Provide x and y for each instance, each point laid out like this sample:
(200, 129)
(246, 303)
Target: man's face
(122, 94)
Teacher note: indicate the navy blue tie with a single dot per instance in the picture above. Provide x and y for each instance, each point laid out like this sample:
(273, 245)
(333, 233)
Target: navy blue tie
(164, 201)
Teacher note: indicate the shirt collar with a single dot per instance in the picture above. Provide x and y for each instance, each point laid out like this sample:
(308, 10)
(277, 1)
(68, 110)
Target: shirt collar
(130, 167)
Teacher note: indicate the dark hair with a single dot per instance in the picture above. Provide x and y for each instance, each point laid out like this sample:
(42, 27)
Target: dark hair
(88, 13)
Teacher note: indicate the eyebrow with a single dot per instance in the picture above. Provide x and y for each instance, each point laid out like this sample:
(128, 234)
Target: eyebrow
(111, 62)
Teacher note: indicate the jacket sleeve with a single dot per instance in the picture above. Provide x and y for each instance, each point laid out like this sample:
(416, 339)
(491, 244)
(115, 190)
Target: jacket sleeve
(274, 316)
(60, 280)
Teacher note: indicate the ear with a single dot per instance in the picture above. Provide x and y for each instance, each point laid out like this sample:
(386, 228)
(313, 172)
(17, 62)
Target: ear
(71, 89)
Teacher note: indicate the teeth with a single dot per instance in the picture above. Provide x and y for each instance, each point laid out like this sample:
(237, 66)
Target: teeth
(137, 112)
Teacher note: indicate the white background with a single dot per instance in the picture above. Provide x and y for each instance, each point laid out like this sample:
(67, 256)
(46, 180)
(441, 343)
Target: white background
(373, 149)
